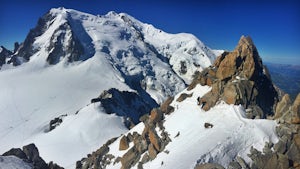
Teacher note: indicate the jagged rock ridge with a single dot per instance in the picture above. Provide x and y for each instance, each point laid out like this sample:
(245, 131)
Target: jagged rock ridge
(239, 77)
(4, 53)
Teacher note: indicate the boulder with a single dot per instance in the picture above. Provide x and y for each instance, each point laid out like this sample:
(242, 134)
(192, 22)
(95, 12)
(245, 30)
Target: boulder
(124, 145)
(152, 152)
(183, 96)
(282, 106)
(130, 158)
(165, 106)
(230, 95)
(156, 115)
(154, 139)
(208, 125)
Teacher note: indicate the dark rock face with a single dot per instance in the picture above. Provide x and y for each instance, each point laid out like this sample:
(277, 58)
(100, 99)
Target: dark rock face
(16, 152)
(26, 49)
(130, 105)
(72, 49)
(30, 154)
(63, 43)
(56, 122)
(4, 54)
(238, 77)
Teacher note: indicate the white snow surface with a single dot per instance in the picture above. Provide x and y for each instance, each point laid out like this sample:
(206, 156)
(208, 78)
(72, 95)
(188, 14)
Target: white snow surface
(33, 96)
(12, 162)
(232, 134)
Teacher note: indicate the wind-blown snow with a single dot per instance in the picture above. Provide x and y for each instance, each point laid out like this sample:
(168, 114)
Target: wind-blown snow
(232, 134)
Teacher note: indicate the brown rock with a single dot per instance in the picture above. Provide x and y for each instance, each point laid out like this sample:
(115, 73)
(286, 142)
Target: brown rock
(283, 161)
(227, 67)
(165, 107)
(283, 106)
(230, 94)
(209, 166)
(154, 139)
(220, 59)
(211, 73)
(296, 140)
(124, 145)
(209, 81)
(294, 153)
(244, 58)
(183, 96)
(152, 152)
(296, 110)
(156, 115)
(130, 158)
(208, 101)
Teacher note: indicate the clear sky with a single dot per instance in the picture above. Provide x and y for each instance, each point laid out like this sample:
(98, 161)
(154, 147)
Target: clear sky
(273, 25)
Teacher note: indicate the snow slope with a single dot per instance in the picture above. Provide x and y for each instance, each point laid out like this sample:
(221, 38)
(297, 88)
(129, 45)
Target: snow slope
(118, 53)
(231, 135)
(32, 97)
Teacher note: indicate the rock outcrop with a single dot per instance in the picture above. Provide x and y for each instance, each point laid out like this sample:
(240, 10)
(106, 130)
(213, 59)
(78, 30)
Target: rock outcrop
(30, 154)
(239, 77)
(129, 105)
(146, 145)
(287, 112)
(4, 54)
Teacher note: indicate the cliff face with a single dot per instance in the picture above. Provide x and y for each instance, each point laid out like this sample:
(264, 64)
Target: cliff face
(239, 77)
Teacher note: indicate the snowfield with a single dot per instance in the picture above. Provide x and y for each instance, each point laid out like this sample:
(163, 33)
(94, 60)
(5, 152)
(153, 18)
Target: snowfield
(232, 134)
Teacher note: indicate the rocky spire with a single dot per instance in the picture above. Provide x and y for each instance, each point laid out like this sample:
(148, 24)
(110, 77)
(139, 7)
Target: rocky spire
(4, 53)
(243, 60)
(238, 77)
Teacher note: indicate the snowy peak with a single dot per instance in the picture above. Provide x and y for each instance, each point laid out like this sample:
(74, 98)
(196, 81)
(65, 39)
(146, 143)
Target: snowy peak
(70, 35)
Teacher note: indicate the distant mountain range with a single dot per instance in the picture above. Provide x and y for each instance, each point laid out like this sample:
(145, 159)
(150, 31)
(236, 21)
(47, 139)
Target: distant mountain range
(286, 77)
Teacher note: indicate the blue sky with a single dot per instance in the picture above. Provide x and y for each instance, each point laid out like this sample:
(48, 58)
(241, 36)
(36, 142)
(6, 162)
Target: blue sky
(273, 25)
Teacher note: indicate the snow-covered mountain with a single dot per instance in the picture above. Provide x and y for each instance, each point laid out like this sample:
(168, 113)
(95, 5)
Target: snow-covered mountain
(71, 57)
(214, 123)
